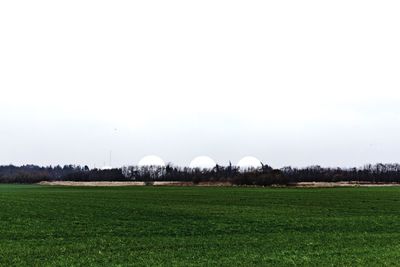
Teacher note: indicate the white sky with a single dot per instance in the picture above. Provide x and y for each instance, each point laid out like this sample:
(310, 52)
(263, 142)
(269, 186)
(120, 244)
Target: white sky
(290, 82)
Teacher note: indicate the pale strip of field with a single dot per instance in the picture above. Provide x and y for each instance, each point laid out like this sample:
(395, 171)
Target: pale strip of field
(342, 184)
(176, 183)
(70, 183)
(157, 183)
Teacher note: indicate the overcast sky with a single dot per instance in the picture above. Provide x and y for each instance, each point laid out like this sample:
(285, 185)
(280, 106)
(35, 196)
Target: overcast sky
(289, 82)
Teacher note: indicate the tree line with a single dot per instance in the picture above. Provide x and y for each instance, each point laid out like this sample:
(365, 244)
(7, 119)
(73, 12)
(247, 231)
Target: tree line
(264, 176)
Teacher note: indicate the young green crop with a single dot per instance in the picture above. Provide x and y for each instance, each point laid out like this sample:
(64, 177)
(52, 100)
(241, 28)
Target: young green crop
(181, 226)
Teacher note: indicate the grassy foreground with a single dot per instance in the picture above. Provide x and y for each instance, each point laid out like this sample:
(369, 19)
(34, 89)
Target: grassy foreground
(198, 226)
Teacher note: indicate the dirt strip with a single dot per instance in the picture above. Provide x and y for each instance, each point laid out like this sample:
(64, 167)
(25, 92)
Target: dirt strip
(176, 183)
(157, 183)
(342, 184)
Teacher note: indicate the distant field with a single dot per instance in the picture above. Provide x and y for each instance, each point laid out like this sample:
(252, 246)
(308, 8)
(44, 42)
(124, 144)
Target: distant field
(230, 226)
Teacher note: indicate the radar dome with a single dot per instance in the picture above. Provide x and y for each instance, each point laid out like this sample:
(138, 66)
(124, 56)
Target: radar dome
(202, 162)
(249, 162)
(151, 161)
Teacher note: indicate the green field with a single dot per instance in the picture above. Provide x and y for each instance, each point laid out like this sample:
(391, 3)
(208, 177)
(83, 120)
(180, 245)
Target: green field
(76, 226)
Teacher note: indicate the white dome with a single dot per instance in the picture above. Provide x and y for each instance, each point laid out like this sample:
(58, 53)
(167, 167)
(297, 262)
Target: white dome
(249, 163)
(202, 162)
(151, 161)
(106, 168)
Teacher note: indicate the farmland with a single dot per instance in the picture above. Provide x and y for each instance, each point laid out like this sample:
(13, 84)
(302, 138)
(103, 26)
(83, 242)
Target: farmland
(229, 226)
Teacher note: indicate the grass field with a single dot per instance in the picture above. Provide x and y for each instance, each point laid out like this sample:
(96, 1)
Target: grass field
(183, 226)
